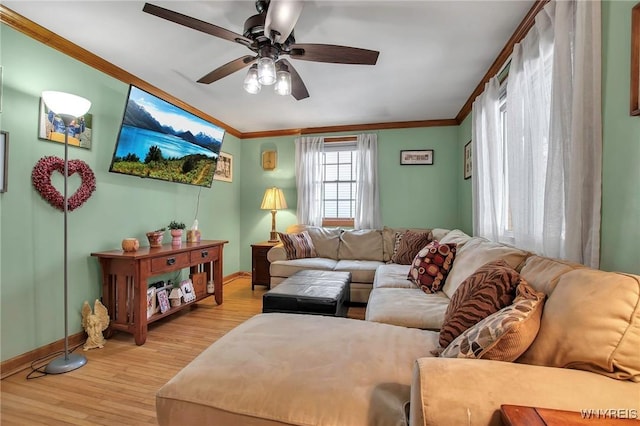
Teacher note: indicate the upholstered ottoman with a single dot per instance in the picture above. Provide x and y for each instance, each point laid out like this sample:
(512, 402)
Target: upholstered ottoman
(310, 292)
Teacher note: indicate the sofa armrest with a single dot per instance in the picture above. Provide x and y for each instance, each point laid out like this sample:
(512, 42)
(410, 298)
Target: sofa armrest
(276, 252)
(469, 392)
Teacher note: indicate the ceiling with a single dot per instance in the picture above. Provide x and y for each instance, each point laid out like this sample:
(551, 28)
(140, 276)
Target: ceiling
(433, 54)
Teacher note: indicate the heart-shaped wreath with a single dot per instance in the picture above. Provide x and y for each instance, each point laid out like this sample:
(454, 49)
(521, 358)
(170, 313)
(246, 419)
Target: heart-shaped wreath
(41, 178)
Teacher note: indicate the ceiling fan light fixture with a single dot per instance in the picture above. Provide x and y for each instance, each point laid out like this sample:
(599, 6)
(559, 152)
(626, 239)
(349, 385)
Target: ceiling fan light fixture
(251, 83)
(283, 83)
(266, 71)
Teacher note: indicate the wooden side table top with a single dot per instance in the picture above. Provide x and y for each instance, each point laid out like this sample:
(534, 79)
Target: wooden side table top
(517, 415)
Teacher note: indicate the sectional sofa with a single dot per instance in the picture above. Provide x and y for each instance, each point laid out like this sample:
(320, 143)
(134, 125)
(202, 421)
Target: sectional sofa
(283, 369)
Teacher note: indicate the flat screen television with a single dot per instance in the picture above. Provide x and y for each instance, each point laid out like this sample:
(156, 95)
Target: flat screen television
(160, 140)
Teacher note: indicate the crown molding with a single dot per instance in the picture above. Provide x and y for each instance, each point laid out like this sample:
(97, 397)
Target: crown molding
(517, 36)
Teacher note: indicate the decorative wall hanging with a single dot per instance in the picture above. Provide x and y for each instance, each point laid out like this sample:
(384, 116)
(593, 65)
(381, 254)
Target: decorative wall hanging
(4, 160)
(51, 128)
(423, 156)
(41, 178)
(467, 160)
(635, 60)
(224, 168)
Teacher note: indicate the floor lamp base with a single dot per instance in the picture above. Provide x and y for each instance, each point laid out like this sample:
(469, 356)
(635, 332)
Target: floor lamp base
(64, 364)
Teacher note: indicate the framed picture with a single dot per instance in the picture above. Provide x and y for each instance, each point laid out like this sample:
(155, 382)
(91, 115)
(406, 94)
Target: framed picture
(467, 160)
(635, 60)
(52, 128)
(163, 300)
(151, 302)
(424, 156)
(188, 294)
(224, 168)
(4, 160)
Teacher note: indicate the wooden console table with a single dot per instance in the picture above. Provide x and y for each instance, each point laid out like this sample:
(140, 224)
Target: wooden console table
(125, 274)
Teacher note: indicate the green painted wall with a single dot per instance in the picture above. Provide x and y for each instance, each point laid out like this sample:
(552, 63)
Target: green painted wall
(465, 210)
(31, 269)
(419, 196)
(620, 243)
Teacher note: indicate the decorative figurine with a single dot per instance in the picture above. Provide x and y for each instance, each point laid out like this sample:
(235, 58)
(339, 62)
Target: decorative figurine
(94, 324)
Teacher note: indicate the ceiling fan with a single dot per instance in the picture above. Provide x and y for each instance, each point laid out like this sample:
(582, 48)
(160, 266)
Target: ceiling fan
(269, 35)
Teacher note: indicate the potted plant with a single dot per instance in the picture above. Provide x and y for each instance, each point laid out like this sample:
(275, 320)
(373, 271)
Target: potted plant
(155, 237)
(176, 229)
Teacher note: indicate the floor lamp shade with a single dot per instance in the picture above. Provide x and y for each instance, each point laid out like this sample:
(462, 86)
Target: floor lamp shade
(273, 200)
(68, 107)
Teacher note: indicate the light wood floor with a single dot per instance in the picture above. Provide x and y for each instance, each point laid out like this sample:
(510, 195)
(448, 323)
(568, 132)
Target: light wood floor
(117, 386)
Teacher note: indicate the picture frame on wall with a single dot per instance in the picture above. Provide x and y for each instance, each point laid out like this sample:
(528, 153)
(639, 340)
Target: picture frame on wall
(51, 128)
(4, 160)
(467, 164)
(418, 157)
(635, 60)
(224, 168)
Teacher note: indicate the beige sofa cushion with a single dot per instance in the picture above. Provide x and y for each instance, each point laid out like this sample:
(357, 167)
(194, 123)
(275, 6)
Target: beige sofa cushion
(362, 271)
(543, 273)
(407, 307)
(391, 275)
(325, 240)
(287, 268)
(591, 321)
(361, 244)
(298, 370)
(448, 392)
(474, 253)
(454, 236)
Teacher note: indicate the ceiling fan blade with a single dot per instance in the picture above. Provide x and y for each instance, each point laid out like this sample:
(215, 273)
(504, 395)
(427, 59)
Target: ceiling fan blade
(298, 89)
(282, 16)
(228, 68)
(333, 54)
(195, 24)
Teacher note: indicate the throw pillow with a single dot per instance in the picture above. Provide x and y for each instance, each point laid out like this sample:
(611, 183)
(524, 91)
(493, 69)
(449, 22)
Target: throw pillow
(431, 266)
(504, 335)
(408, 244)
(489, 289)
(298, 246)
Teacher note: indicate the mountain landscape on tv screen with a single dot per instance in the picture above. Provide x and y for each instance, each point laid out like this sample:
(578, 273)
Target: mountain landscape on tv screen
(136, 116)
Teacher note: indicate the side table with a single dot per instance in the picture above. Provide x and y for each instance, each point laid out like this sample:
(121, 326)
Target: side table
(260, 265)
(516, 415)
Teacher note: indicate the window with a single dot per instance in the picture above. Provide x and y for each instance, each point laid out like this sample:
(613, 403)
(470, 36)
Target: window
(339, 184)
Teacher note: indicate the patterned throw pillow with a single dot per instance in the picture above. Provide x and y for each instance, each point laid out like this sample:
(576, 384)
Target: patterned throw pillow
(504, 335)
(490, 288)
(297, 246)
(431, 266)
(408, 244)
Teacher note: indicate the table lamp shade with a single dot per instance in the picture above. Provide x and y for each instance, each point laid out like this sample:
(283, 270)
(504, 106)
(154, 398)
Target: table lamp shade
(273, 199)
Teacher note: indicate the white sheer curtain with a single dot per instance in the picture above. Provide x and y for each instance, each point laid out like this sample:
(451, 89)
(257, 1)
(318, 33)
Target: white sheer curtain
(574, 174)
(488, 164)
(527, 131)
(367, 214)
(309, 180)
(554, 139)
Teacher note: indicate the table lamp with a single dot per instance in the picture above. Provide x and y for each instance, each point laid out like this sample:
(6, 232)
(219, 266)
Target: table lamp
(273, 200)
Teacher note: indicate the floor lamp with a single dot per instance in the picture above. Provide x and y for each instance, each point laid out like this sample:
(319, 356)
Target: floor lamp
(68, 107)
(273, 200)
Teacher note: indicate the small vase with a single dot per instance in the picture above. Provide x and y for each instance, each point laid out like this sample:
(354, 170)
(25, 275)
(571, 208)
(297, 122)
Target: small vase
(155, 238)
(176, 235)
(130, 244)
